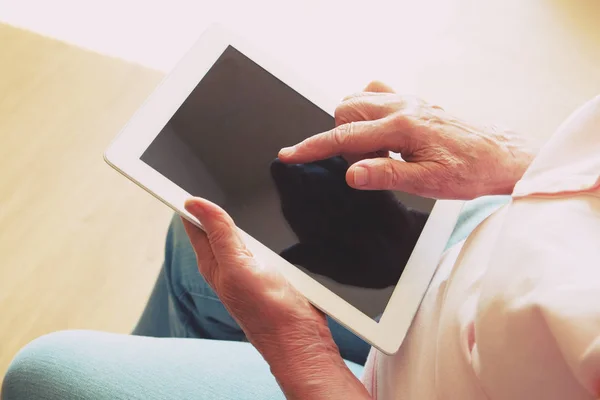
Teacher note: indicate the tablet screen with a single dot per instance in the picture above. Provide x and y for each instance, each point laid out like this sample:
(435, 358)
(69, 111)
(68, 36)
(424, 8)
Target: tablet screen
(222, 145)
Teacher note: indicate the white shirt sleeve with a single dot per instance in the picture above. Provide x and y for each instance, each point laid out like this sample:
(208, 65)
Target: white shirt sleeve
(537, 324)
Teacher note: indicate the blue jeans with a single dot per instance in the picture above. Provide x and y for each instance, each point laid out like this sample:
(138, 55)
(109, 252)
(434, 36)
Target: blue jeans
(185, 345)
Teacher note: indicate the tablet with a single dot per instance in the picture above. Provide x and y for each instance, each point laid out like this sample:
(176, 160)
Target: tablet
(213, 129)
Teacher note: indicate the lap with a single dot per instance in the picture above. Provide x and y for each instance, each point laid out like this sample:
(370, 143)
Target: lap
(83, 364)
(95, 365)
(186, 304)
(190, 308)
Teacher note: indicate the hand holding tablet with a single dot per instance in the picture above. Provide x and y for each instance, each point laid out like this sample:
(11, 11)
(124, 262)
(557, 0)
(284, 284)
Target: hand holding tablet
(213, 129)
(444, 154)
(279, 322)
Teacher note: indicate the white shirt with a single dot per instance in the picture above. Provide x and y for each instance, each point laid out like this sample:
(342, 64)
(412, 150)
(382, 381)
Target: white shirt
(514, 311)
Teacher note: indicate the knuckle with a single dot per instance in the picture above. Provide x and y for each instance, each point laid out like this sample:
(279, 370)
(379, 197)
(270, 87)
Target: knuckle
(340, 114)
(341, 134)
(351, 110)
(433, 121)
(373, 85)
(377, 86)
(399, 119)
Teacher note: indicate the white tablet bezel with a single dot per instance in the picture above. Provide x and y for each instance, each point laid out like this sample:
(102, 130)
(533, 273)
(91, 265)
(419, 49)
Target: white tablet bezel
(124, 155)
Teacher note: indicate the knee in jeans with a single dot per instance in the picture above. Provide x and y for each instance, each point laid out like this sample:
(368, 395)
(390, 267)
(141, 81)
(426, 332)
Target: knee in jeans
(40, 370)
(193, 299)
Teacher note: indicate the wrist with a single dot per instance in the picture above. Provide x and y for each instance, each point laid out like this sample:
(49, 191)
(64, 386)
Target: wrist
(513, 161)
(307, 365)
(319, 377)
(503, 186)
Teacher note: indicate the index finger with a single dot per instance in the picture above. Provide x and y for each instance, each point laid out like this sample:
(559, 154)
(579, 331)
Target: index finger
(351, 138)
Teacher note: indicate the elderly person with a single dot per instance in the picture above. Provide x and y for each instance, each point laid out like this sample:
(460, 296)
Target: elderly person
(512, 312)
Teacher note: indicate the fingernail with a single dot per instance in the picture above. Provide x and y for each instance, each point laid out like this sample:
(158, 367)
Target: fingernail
(361, 176)
(287, 151)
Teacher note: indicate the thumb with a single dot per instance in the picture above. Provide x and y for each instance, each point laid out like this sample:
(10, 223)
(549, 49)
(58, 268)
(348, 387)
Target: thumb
(223, 236)
(385, 174)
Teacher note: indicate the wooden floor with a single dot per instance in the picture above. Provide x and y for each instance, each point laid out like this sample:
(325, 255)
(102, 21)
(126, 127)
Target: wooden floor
(79, 245)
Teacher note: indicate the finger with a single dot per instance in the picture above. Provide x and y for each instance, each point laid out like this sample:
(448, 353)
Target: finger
(238, 279)
(361, 108)
(352, 138)
(260, 299)
(385, 174)
(201, 246)
(289, 333)
(222, 234)
(379, 87)
(375, 106)
(353, 158)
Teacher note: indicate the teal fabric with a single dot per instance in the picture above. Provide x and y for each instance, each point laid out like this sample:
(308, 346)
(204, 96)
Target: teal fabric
(472, 214)
(185, 345)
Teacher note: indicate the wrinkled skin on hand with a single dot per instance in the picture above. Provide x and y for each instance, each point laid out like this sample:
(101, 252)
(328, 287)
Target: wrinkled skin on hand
(285, 328)
(445, 157)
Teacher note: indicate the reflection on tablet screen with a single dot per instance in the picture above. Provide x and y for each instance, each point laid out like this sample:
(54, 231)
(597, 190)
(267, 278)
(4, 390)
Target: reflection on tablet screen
(222, 145)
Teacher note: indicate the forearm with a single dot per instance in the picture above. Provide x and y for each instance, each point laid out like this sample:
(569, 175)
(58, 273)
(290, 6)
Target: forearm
(318, 376)
(308, 365)
(291, 335)
(510, 170)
